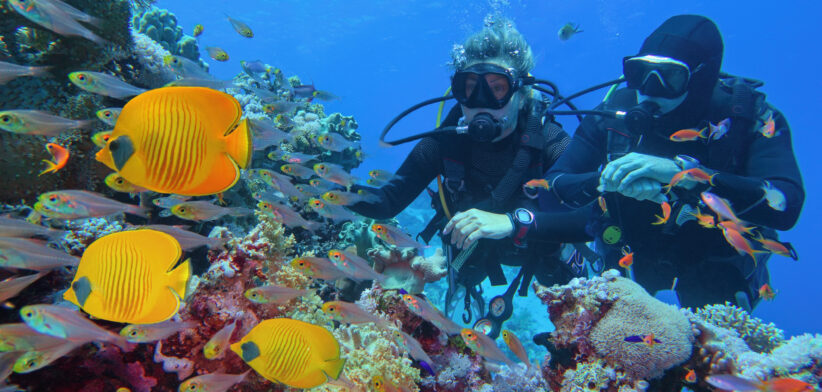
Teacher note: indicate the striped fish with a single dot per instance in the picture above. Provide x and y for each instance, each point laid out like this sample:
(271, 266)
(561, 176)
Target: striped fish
(292, 352)
(127, 277)
(184, 140)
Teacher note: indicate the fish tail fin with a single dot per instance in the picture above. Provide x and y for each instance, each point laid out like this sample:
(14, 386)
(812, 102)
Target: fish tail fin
(240, 211)
(52, 167)
(238, 144)
(138, 210)
(333, 368)
(666, 189)
(39, 71)
(659, 220)
(178, 278)
(702, 134)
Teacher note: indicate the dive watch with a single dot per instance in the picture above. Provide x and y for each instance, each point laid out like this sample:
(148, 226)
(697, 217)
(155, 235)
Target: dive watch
(523, 219)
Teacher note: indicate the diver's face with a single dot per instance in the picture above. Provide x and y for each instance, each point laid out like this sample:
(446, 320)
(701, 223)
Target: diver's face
(666, 105)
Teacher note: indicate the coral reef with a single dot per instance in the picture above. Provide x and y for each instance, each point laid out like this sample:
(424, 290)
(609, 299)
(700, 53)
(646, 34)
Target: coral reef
(161, 26)
(761, 337)
(82, 233)
(407, 270)
(593, 318)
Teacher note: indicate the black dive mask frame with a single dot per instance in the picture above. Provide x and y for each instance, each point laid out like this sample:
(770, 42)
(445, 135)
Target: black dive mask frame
(480, 132)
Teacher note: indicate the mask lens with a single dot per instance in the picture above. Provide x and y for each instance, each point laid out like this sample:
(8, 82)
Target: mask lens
(483, 86)
(656, 76)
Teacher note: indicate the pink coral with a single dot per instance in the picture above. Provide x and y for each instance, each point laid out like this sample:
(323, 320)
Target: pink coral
(406, 270)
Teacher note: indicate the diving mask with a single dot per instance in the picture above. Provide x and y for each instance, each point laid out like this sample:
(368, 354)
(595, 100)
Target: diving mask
(657, 76)
(485, 85)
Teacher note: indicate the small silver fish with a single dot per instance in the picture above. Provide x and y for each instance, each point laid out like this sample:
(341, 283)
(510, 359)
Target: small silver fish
(202, 210)
(10, 287)
(10, 227)
(109, 115)
(9, 71)
(567, 31)
(36, 122)
(24, 253)
(336, 142)
(240, 27)
(775, 197)
(188, 240)
(104, 84)
(273, 294)
(145, 333)
(214, 84)
(334, 173)
(185, 68)
(212, 382)
(58, 17)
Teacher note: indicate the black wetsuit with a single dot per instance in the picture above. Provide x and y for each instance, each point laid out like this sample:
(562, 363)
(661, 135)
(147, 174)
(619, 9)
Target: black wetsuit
(708, 269)
(485, 165)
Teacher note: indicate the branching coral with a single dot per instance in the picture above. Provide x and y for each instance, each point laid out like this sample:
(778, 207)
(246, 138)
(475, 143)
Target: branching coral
(760, 336)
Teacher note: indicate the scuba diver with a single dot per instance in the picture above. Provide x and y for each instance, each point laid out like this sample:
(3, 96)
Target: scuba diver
(679, 112)
(483, 212)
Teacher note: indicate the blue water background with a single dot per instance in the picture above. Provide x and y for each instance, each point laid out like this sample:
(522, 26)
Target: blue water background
(383, 56)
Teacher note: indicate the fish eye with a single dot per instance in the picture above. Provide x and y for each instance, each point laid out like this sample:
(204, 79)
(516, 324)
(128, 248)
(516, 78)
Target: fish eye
(5, 118)
(52, 198)
(193, 387)
(133, 332)
(81, 77)
(119, 181)
(29, 314)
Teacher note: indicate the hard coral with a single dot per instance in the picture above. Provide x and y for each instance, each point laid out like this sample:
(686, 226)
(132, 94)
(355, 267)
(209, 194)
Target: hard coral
(760, 336)
(405, 269)
(161, 26)
(635, 312)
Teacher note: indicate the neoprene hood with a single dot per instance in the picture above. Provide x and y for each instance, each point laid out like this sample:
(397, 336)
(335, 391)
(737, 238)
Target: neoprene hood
(694, 40)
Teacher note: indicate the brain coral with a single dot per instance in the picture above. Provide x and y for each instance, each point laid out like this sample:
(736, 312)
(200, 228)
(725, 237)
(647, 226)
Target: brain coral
(635, 312)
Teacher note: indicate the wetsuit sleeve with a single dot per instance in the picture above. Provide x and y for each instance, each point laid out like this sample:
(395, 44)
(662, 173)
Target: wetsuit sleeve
(564, 226)
(575, 176)
(770, 159)
(417, 171)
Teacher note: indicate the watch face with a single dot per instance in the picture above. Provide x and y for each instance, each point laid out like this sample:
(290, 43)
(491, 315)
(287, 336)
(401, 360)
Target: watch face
(523, 216)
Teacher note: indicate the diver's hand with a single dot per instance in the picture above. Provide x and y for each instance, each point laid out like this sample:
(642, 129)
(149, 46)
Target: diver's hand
(469, 226)
(621, 173)
(644, 189)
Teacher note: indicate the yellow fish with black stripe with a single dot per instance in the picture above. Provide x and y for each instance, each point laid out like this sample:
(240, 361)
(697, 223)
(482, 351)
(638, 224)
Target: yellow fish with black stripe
(184, 140)
(292, 352)
(129, 277)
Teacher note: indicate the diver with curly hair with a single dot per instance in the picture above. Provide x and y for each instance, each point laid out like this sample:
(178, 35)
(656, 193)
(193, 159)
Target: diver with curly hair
(502, 142)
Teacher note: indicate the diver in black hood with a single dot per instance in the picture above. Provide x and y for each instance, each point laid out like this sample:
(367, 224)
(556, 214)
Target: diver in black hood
(679, 112)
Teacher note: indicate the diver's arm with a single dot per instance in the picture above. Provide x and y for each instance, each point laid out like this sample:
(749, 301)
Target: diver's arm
(575, 176)
(418, 170)
(772, 160)
(565, 226)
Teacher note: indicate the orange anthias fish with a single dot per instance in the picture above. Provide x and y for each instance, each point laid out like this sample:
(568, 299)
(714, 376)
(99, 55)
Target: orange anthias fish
(735, 239)
(719, 206)
(185, 140)
(690, 377)
(735, 383)
(666, 214)
(537, 183)
(769, 128)
(627, 260)
(695, 174)
(705, 220)
(687, 135)
(776, 247)
(602, 205)
(60, 155)
(766, 292)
